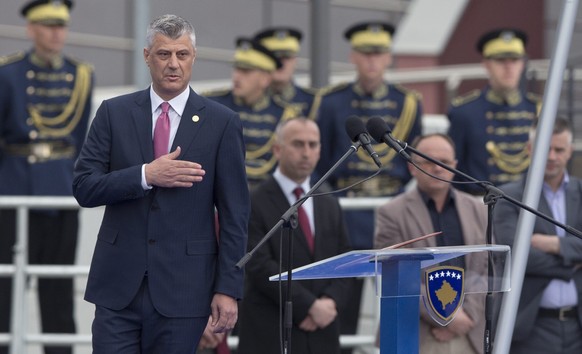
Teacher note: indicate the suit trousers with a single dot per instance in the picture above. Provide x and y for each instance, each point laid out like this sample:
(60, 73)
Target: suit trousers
(52, 240)
(550, 335)
(140, 328)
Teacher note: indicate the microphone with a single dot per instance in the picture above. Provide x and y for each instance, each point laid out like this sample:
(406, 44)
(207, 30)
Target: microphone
(380, 131)
(357, 132)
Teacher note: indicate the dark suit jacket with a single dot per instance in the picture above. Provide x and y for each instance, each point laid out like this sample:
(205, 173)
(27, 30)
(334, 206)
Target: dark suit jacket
(407, 216)
(259, 320)
(541, 267)
(167, 232)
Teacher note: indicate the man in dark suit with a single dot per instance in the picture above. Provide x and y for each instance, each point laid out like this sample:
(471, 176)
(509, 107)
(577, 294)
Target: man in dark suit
(549, 318)
(158, 271)
(321, 235)
(45, 103)
(435, 206)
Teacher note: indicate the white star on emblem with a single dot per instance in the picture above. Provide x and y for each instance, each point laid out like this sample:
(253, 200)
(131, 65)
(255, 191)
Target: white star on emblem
(431, 278)
(448, 273)
(454, 274)
(436, 275)
(459, 276)
(442, 274)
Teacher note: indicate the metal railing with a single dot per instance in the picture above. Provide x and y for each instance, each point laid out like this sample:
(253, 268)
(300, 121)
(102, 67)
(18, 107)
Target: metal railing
(20, 270)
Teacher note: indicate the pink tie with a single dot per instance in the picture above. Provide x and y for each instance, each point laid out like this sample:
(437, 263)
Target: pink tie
(162, 132)
(304, 220)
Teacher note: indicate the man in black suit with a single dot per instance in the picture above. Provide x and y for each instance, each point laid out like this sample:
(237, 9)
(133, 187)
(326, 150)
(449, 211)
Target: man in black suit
(315, 302)
(549, 318)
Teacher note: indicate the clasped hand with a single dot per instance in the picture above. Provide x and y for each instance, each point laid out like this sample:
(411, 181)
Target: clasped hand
(167, 171)
(321, 313)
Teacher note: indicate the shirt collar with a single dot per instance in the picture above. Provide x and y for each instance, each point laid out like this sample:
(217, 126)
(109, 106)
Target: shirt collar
(288, 185)
(178, 103)
(426, 199)
(563, 185)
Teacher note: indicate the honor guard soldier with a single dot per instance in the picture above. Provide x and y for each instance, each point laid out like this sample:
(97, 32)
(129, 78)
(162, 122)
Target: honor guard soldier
(45, 102)
(369, 96)
(252, 74)
(490, 126)
(285, 43)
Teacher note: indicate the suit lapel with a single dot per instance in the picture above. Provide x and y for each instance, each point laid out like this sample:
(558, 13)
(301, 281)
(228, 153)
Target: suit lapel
(420, 217)
(572, 202)
(469, 227)
(192, 119)
(142, 119)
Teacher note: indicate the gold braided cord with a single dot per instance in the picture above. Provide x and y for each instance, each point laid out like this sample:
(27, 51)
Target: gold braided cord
(513, 169)
(288, 113)
(315, 106)
(263, 169)
(401, 131)
(511, 163)
(76, 104)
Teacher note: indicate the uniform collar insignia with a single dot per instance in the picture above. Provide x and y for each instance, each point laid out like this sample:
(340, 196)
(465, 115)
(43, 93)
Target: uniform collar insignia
(54, 63)
(286, 94)
(261, 104)
(512, 98)
(379, 93)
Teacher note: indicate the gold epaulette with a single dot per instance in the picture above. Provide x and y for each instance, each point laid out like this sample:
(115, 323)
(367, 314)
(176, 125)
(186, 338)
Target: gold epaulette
(466, 98)
(534, 97)
(7, 59)
(78, 62)
(333, 88)
(215, 92)
(407, 91)
(310, 90)
(290, 110)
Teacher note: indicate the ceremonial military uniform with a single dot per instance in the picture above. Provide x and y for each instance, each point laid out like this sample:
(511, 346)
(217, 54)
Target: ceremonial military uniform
(259, 122)
(260, 118)
(367, 97)
(402, 111)
(44, 113)
(490, 127)
(491, 134)
(285, 42)
(304, 100)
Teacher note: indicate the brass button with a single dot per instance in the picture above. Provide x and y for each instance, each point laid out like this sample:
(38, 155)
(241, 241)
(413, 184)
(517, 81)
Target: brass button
(30, 90)
(33, 135)
(30, 74)
(31, 159)
(29, 121)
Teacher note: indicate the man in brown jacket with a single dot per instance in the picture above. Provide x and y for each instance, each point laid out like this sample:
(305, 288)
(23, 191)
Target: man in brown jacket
(435, 206)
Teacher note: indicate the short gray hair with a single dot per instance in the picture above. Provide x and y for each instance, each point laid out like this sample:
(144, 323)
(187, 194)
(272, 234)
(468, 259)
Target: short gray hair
(170, 26)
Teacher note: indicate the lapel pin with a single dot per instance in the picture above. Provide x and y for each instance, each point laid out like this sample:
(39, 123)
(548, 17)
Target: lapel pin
(195, 118)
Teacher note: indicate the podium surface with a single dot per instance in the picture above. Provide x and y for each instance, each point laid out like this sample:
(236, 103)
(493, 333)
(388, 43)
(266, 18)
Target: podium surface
(400, 275)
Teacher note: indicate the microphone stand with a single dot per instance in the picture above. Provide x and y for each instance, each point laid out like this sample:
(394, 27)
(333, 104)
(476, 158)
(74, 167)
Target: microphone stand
(289, 220)
(492, 195)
